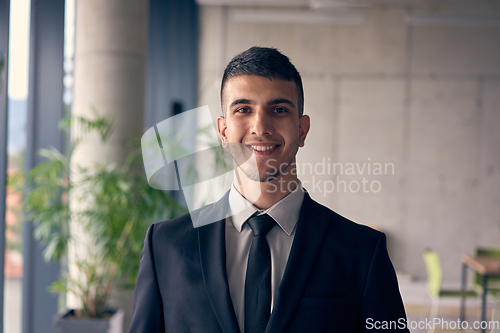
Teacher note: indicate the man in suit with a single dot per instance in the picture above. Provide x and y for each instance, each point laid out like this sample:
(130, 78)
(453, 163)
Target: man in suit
(279, 262)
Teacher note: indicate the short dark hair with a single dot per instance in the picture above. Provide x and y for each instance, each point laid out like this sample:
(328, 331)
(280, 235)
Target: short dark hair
(267, 62)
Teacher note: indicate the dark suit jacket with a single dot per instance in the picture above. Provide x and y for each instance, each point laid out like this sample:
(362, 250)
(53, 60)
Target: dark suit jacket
(338, 276)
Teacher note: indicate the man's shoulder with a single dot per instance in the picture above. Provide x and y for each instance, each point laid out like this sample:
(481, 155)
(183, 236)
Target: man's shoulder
(349, 239)
(181, 223)
(344, 226)
(191, 221)
(173, 234)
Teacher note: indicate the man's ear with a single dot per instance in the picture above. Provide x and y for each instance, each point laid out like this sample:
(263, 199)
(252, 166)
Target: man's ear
(304, 125)
(222, 128)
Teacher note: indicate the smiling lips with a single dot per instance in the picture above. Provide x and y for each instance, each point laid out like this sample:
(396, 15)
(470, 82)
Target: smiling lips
(263, 149)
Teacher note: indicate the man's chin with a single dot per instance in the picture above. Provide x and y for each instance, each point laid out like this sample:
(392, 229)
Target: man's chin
(268, 179)
(259, 177)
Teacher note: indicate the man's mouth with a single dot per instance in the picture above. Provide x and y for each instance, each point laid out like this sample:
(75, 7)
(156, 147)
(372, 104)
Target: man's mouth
(263, 148)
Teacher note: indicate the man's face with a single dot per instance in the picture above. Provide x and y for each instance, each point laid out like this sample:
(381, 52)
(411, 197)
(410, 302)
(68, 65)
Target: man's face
(262, 118)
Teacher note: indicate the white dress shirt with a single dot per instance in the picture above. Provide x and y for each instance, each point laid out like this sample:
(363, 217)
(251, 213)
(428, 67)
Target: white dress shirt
(239, 237)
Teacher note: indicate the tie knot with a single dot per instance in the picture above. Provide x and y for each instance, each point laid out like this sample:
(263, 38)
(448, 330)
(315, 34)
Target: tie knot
(261, 224)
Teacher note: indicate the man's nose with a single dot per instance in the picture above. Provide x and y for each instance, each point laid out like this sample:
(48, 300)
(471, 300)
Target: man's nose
(262, 123)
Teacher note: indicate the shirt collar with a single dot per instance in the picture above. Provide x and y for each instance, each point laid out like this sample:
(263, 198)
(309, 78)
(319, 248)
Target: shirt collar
(285, 212)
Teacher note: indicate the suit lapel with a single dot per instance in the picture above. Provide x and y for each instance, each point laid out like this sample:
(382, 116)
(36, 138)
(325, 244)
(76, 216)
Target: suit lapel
(211, 237)
(309, 234)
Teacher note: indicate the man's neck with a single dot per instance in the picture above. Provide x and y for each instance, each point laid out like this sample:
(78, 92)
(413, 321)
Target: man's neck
(264, 195)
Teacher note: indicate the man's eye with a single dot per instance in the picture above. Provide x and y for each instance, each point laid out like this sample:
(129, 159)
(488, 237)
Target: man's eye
(242, 110)
(280, 110)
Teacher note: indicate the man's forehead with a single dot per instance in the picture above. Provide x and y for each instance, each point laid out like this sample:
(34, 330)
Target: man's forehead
(241, 86)
(253, 77)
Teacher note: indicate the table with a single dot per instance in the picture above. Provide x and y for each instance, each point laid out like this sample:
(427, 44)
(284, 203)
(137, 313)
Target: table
(485, 266)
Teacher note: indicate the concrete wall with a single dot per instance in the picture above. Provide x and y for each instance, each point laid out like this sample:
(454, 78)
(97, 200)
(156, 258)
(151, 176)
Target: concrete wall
(415, 87)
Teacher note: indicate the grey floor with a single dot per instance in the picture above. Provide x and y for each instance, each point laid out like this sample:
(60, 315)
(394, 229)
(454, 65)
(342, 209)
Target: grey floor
(418, 307)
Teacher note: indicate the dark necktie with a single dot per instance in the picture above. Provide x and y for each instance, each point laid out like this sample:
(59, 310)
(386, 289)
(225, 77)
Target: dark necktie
(258, 277)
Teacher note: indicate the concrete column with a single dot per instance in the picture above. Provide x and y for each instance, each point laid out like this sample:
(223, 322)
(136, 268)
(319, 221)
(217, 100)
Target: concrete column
(110, 66)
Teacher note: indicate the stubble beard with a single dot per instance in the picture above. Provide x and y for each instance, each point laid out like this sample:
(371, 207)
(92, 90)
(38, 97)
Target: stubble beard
(272, 172)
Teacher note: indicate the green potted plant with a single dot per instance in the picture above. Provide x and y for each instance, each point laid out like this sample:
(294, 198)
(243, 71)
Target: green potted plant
(105, 235)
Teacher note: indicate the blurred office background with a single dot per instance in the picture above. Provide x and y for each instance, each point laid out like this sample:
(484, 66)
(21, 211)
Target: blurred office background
(410, 85)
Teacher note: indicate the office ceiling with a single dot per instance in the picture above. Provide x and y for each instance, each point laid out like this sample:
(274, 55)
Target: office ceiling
(319, 4)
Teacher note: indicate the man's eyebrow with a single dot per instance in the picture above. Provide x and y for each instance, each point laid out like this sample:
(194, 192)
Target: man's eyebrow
(281, 101)
(271, 102)
(240, 101)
